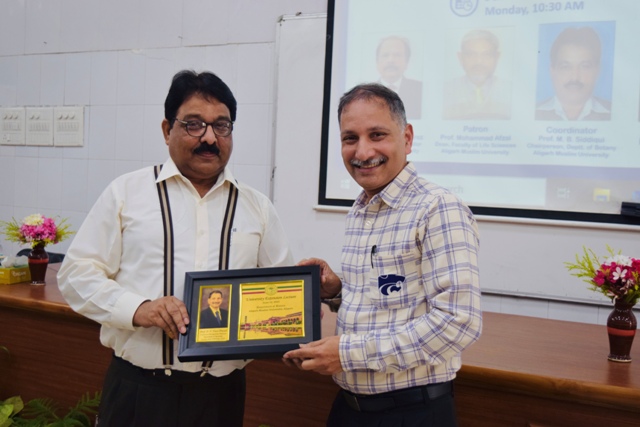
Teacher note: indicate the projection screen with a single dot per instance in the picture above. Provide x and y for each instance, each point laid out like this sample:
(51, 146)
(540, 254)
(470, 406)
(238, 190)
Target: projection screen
(522, 108)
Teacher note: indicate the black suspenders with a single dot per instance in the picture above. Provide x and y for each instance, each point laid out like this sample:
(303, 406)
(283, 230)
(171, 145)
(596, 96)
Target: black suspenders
(223, 263)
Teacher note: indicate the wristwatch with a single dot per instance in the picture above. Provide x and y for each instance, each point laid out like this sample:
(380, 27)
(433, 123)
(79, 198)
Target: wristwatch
(333, 303)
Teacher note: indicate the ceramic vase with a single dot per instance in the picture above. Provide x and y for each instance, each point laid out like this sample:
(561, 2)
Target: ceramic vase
(38, 262)
(621, 327)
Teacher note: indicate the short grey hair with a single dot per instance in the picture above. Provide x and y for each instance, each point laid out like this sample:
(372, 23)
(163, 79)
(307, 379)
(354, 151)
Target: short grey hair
(481, 35)
(370, 91)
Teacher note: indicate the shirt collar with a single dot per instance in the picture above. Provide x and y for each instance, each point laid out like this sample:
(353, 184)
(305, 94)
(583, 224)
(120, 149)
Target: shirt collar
(484, 86)
(169, 170)
(393, 192)
(397, 83)
(591, 106)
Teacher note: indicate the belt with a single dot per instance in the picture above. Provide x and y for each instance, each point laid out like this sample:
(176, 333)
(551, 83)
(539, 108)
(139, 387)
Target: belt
(161, 374)
(398, 398)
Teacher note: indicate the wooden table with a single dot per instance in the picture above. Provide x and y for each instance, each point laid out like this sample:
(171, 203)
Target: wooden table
(523, 371)
(540, 372)
(53, 351)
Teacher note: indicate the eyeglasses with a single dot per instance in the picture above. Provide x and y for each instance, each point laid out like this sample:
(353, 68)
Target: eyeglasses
(198, 128)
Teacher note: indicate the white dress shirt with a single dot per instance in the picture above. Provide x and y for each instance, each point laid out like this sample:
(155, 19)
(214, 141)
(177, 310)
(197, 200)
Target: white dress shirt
(593, 109)
(116, 260)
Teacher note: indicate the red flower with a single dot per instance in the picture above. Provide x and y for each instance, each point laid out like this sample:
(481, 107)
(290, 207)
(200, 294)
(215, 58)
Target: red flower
(599, 278)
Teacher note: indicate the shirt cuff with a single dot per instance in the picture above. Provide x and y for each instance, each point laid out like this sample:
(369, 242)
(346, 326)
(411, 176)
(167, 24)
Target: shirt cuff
(353, 355)
(124, 309)
(333, 303)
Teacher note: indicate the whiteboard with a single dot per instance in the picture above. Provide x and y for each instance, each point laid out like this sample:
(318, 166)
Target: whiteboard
(517, 257)
(298, 122)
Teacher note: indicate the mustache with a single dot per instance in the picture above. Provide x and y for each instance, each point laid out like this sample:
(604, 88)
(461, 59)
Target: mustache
(368, 163)
(574, 85)
(207, 148)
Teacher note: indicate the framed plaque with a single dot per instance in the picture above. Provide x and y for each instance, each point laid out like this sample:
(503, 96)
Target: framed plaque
(251, 313)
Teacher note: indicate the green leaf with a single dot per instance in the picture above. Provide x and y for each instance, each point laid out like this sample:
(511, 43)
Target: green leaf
(41, 408)
(17, 403)
(6, 409)
(44, 412)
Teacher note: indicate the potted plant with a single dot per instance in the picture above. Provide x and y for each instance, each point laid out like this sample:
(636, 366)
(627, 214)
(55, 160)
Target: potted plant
(38, 231)
(617, 277)
(45, 413)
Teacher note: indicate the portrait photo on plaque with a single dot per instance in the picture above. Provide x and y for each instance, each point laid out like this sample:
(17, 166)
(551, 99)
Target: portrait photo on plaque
(250, 313)
(213, 313)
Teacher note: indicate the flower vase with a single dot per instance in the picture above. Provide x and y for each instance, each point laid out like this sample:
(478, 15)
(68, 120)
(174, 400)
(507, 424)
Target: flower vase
(38, 262)
(621, 326)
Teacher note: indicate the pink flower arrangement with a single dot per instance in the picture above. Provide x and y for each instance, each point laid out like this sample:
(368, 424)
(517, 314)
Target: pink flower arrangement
(617, 277)
(36, 229)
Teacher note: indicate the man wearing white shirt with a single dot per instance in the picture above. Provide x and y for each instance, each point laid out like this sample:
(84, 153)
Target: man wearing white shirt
(575, 69)
(392, 60)
(479, 94)
(115, 271)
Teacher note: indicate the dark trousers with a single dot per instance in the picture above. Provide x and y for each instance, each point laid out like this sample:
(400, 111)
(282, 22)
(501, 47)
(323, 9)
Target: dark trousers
(133, 396)
(438, 412)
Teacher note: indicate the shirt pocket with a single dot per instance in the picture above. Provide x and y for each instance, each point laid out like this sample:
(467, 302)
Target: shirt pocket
(244, 249)
(394, 281)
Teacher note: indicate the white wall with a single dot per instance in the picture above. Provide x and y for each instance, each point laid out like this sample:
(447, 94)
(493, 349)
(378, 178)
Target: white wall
(117, 58)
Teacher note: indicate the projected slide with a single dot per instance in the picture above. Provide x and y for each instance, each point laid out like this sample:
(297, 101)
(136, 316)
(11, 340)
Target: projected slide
(514, 104)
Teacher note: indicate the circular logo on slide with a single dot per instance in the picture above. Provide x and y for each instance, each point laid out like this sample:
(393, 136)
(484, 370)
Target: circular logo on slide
(463, 7)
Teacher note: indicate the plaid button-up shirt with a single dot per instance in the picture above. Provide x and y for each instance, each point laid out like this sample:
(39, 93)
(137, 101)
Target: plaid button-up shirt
(410, 287)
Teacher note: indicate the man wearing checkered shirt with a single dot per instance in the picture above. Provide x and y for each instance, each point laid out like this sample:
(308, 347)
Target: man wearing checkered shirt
(409, 288)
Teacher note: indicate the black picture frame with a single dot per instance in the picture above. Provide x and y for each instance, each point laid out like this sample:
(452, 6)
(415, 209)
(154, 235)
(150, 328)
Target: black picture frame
(264, 292)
